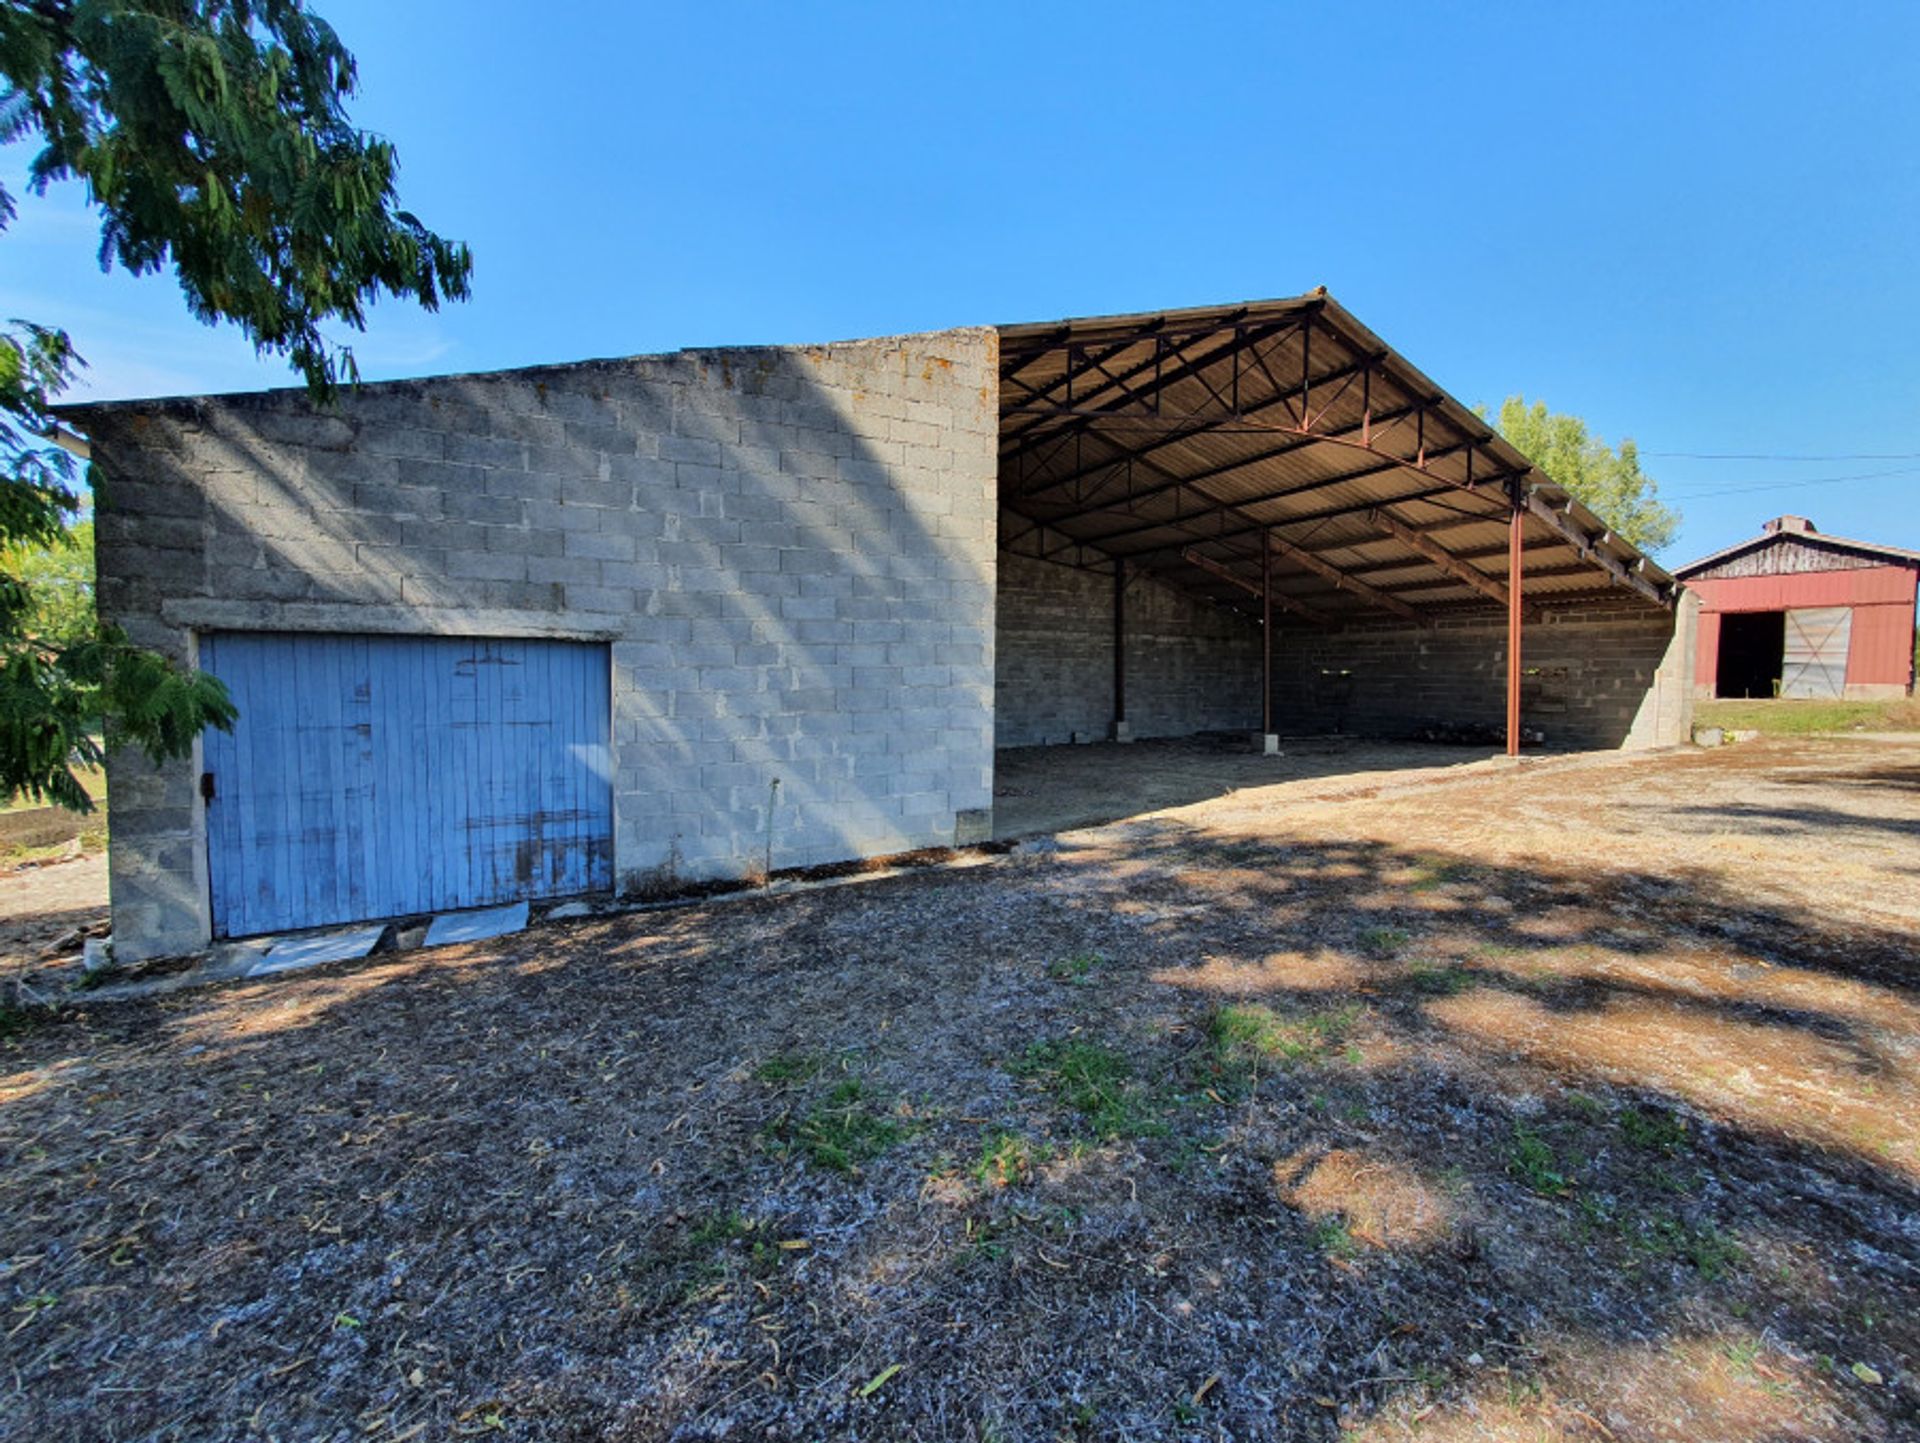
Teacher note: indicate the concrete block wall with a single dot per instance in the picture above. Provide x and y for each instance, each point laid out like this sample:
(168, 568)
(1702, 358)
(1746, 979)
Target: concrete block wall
(1191, 666)
(1598, 674)
(791, 552)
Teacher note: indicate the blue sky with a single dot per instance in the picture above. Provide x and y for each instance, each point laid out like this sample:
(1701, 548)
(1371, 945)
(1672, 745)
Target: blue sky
(1694, 225)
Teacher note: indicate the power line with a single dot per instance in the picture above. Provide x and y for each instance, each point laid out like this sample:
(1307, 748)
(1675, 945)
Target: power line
(1682, 495)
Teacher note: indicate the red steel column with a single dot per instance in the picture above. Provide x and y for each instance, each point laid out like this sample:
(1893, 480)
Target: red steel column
(1513, 628)
(1266, 634)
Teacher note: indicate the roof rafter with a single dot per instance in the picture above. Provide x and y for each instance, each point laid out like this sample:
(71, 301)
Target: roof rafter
(1342, 581)
(1233, 578)
(1442, 559)
(1241, 337)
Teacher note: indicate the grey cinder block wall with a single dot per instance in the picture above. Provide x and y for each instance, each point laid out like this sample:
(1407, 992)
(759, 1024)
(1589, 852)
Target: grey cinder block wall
(1596, 674)
(791, 552)
(1191, 666)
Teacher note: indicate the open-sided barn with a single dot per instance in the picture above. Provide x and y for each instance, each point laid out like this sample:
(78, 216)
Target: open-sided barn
(622, 625)
(1795, 613)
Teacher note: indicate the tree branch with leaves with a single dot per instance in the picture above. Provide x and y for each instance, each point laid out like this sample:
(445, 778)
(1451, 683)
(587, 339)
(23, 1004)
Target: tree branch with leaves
(1608, 481)
(213, 138)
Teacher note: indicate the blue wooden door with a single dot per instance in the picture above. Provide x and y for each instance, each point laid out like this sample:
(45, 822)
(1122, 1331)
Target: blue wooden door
(382, 776)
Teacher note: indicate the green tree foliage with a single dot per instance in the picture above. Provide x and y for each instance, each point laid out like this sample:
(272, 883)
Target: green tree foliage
(58, 577)
(1609, 481)
(212, 136)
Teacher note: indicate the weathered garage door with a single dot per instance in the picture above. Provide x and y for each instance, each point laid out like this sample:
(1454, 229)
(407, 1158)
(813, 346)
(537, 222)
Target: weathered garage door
(1814, 661)
(377, 776)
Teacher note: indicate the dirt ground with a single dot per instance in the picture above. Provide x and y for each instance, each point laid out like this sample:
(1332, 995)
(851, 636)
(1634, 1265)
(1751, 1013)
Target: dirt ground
(1575, 1101)
(47, 903)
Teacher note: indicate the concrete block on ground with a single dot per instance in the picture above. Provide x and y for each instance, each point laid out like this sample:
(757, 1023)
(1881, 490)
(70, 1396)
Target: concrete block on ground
(972, 825)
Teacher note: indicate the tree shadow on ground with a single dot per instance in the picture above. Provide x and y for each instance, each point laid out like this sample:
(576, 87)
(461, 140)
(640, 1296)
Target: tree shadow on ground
(1157, 1133)
(1784, 821)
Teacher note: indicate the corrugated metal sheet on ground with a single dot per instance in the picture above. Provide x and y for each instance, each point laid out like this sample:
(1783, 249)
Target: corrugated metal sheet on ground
(381, 776)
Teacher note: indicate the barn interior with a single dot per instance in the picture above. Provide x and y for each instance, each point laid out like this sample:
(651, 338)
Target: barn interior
(1261, 520)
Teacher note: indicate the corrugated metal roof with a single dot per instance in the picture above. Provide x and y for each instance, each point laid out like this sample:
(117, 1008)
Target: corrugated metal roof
(1161, 436)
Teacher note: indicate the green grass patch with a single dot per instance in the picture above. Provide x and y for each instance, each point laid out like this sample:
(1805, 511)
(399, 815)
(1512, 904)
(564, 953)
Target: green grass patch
(1247, 1033)
(1095, 1081)
(1791, 718)
(1384, 941)
(1332, 1237)
(1440, 979)
(1586, 1105)
(1653, 1129)
(1432, 873)
(1008, 1159)
(786, 1068)
(1531, 1159)
(1710, 1252)
(1079, 968)
(716, 1229)
(850, 1126)
(693, 1260)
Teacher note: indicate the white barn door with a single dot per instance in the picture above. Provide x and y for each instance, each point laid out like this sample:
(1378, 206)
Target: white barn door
(1814, 663)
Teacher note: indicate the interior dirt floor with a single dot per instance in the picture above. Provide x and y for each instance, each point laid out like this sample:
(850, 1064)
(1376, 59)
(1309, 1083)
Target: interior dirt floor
(1040, 790)
(1572, 1101)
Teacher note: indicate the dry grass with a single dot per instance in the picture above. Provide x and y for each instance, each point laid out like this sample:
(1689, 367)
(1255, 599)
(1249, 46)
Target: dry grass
(1576, 1102)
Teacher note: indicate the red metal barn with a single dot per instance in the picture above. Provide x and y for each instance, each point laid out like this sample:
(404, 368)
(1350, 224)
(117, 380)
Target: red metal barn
(1794, 613)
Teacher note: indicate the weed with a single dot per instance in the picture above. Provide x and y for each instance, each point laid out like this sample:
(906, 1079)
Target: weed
(1665, 1179)
(1595, 1214)
(1096, 1082)
(13, 1020)
(1075, 969)
(788, 1067)
(1440, 981)
(1743, 1353)
(1587, 1105)
(1242, 1034)
(983, 1241)
(94, 978)
(1384, 941)
(1008, 1159)
(844, 1129)
(1653, 1129)
(1531, 1159)
(1432, 873)
(1524, 1392)
(1711, 1252)
(717, 1228)
(1332, 1238)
